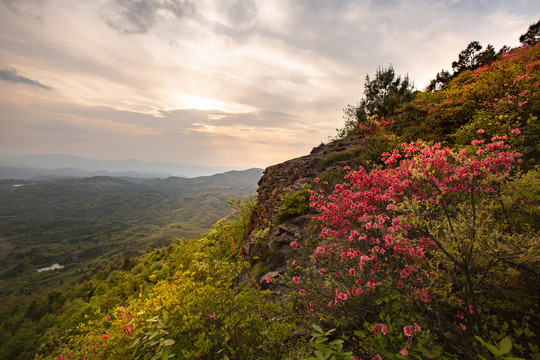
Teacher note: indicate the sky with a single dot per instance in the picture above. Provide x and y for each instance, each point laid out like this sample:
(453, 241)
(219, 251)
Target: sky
(238, 83)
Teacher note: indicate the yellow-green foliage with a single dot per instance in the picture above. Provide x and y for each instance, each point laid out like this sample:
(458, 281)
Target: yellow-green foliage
(193, 299)
(190, 317)
(294, 203)
(495, 98)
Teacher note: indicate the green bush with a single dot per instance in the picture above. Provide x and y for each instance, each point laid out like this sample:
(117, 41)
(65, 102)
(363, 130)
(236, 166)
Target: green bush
(293, 204)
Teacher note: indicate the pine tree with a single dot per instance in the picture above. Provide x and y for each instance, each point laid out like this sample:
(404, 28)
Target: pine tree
(532, 36)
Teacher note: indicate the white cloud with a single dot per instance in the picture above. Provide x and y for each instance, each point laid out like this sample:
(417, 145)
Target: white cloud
(220, 82)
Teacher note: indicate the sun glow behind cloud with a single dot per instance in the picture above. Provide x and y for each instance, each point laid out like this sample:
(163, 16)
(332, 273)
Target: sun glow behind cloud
(183, 101)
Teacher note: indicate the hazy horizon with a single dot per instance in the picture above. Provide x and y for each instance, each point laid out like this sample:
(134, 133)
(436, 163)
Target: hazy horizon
(236, 83)
(30, 166)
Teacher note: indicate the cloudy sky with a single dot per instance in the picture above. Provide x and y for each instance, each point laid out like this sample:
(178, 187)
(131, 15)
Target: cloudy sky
(237, 83)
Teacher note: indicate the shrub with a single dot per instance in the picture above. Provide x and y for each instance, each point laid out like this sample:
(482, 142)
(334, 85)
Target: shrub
(407, 247)
(294, 203)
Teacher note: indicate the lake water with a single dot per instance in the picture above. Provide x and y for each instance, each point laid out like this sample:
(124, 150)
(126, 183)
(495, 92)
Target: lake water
(52, 267)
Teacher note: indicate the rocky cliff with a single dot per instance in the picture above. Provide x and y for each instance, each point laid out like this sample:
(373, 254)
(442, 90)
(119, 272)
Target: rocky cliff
(268, 244)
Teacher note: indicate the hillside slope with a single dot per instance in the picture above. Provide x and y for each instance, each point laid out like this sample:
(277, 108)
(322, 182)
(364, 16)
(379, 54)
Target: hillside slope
(413, 237)
(496, 98)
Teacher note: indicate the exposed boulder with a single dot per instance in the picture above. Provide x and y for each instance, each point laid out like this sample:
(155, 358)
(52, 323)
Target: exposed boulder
(274, 248)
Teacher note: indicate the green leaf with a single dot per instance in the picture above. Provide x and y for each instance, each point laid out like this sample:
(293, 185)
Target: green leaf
(480, 339)
(319, 355)
(168, 342)
(165, 355)
(493, 349)
(329, 332)
(135, 343)
(429, 354)
(505, 345)
(335, 342)
(318, 328)
(433, 352)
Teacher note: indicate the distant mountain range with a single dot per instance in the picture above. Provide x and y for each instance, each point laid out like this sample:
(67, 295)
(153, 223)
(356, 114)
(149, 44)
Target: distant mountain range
(80, 222)
(55, 165)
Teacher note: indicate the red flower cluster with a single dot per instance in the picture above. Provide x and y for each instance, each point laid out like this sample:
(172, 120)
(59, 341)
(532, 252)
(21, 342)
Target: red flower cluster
(369, 239)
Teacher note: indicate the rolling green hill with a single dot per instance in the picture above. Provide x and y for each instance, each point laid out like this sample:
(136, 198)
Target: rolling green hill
(79, 223)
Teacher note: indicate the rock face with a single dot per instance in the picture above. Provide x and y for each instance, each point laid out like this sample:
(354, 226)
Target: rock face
(277, 181)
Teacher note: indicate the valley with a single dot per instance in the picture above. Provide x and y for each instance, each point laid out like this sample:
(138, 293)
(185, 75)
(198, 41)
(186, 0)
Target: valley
(82, 224)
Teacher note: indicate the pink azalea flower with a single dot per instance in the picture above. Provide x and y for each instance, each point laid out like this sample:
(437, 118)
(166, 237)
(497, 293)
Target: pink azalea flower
(371, 283)
(463, 326)
(405, 273)
(477, 142)
(380, 328)
(425, 297)
(404, 351)
(408, 331)
(391, 207)
(417, 328)
(341, 295)
(105, 337)
(268, 279)
(481, 131)
(460, 314)
(295, 279)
